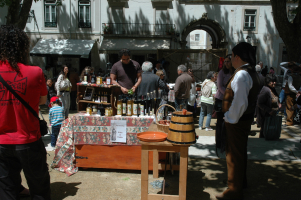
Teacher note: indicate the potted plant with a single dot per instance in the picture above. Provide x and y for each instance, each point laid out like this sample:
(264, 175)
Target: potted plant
(106, 29)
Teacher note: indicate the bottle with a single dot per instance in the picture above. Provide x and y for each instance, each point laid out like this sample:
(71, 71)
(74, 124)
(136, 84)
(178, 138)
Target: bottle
(142, 106)
(154, 102)
(108, 97)
(105, 97)
(146, 109)
(135, 107)
(110, 110)
(88, 109)
(94, 110)
(108, 80)
(124, 106)
(98, 78)
(102, 110)
(98, 110)
(93, 78)
(129, 107)
(119, 105)
(86, 76)
(107, 111)
(150, 103)
(102, 97)
(99, 98)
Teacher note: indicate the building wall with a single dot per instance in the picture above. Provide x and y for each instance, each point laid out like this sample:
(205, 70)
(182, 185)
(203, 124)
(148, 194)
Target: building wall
(181, 13)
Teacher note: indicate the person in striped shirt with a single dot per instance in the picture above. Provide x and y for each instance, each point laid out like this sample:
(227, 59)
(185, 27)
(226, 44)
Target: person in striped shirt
(56, 117)
(207, 100)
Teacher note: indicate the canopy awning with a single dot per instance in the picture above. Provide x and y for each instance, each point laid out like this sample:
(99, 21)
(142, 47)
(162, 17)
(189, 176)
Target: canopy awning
(72, 47)
(112, 44)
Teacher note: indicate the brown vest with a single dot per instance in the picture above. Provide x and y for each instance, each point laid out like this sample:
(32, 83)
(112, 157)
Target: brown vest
(252, 97)
(296, 83)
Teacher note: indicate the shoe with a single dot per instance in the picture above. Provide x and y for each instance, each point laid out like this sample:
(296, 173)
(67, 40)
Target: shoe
(209, 129)
(200, 128)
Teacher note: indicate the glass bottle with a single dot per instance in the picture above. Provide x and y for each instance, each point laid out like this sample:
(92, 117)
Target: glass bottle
(129, 107)
(105, 97)
(142, 106)
(110, 110)
(98, 78)
(124, 106)
(102, 97)
(86, 76)
(151, 110)
(88, 109)
(108, 97)
(135, 107)
(107, 111)
(94, 110)
(119, 105)
(93, 78)
(146, 109)
(102, 110)
(98, 110)
(108, 80)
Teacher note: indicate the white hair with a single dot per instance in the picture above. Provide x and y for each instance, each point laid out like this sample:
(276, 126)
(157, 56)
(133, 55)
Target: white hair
(183, 68)
(147, 66)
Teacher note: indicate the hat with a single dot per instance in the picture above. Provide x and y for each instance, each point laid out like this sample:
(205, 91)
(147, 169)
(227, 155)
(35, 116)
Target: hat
(53, 99)
(246, 52)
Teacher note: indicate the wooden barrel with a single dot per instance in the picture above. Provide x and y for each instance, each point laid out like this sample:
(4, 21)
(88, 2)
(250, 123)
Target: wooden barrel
(181, 128)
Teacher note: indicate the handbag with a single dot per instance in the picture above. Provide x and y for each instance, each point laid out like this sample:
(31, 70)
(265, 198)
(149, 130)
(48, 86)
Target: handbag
(272, 127)
(43, 123)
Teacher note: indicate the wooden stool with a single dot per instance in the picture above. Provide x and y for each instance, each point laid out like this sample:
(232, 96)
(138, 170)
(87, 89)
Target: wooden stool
(163, 147)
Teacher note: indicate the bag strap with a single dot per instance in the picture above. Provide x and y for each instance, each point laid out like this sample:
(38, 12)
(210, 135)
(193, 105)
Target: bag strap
(18, 97)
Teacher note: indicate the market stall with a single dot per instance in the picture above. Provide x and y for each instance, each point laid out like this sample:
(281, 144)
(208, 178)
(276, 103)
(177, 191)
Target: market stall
(81, 134)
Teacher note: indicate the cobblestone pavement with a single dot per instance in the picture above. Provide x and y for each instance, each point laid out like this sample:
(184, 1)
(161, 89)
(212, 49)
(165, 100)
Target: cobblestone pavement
(273, 175)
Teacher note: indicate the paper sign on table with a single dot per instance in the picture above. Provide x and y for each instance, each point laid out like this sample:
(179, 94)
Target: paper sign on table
(118, 131)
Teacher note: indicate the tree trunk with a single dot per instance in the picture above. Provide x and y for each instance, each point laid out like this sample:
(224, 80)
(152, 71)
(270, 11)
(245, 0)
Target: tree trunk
(289, 32)
(17, 17)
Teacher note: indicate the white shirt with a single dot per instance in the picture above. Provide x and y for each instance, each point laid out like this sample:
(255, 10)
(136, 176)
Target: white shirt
(290, 85)
(285, 70)
(241, 85)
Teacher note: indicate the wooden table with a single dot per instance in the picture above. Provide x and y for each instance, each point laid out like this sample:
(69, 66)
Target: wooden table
(163, 147)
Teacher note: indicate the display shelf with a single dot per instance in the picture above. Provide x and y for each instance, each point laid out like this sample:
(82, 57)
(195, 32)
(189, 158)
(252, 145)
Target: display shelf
(93, 102)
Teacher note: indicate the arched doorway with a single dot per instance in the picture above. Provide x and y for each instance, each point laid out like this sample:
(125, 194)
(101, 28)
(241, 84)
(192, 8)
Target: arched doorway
(212, 27)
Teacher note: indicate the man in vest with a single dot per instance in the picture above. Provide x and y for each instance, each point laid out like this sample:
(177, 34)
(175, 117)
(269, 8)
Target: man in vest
(292, 86)
(239, 104)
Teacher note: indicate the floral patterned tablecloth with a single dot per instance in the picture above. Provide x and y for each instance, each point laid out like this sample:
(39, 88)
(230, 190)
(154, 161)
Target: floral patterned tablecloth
(80, 129)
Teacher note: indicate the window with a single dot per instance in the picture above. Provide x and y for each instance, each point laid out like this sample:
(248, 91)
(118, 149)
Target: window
(197, 37)
(50, 13)
(84, 14)
(250, 20)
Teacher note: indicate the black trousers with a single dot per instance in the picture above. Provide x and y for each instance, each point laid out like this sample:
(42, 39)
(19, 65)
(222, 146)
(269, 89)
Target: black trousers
(73, 96)
(33, 162)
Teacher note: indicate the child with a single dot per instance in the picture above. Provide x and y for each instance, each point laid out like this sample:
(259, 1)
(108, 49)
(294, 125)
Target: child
(56, 117)
(51, 91)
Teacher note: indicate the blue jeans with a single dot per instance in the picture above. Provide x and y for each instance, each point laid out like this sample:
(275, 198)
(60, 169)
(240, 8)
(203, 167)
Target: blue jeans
(282, 98)
(54, 134)
(183, 102)
(33, 162)
(65, 99)
(206, 109)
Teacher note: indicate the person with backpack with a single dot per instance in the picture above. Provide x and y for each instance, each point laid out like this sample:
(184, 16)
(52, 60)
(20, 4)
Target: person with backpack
(207, 100)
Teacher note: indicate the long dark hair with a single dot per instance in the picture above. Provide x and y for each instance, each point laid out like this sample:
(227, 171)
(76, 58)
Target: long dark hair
(225, 70)
(62, 71)
(14, 46)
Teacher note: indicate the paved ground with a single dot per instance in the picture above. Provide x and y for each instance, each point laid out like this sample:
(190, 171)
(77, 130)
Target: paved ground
(274, 170)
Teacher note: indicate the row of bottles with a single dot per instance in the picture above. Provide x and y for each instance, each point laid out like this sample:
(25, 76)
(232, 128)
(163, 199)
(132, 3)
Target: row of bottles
(128, 105)
(93, 79)
(102, 110)
(101, 97)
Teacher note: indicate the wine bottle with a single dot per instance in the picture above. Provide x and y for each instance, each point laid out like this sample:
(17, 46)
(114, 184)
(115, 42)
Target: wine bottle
(129, 107)
(108, 98)
(93, 78)
(124, 106)
(105, 100)
(142, 106)
(135, 107)
(146, 105)
(119, 105)
(86, 76)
